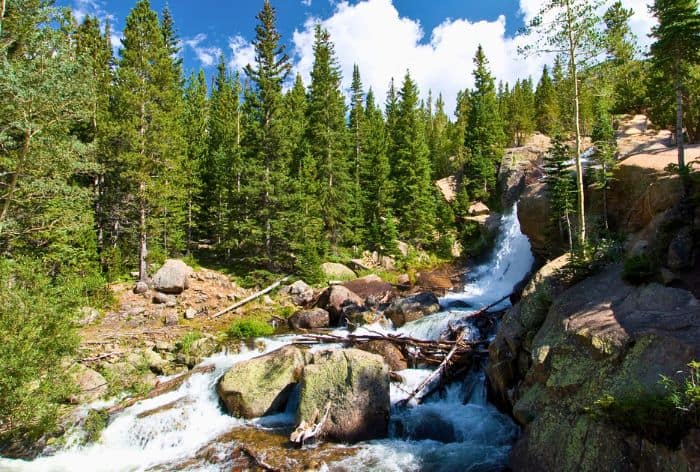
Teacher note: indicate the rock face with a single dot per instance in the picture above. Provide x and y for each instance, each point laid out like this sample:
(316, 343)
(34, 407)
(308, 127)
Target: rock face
(310, 319)
(335, 300)
(173, 277)
(478, 209)
(356, 383)
(404, 310)
(599, 337)
(164, 299)
(534, 213)
(333, 270)
(260, 386)
(680, 251)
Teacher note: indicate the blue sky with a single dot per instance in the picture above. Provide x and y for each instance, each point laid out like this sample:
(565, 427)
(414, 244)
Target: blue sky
(435, 39)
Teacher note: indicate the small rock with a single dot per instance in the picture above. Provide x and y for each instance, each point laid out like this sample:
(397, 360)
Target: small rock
(300, 292)
(404, 310)
(337, 271)
(92, 384)
(155, 362)
(310, 319)
(190, 313)
(478, 208)
(403, 279)
(135, 311)
(388, 263)
(134, 274)
(164, 346)
(667, 276)
(403, 248)
(171, 318)
(162, 298)
(267, 300)
(140, 287)
(88, 315)
(359, 264)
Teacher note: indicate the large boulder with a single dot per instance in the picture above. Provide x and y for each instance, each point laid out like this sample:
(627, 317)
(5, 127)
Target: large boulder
(405, 310)
(310, 319)
(335, 300)
(300, 292)
(601, 338)
(356, 385)
(91, 385)
(172, 277)
(534, 214)
(262, 385)
(392, 355)
(333, 270)
(371, 288)
(680, 250)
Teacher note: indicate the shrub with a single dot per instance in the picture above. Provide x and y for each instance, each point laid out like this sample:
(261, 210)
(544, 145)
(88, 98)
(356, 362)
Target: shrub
(186, 342)
(249, 328)
(95, 422)
(639, 269)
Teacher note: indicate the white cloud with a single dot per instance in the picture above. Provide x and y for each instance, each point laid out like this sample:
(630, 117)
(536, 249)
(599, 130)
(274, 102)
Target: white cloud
(207, 55)
(242, 52)
(372, 34)
(116, 39)
(306, 3)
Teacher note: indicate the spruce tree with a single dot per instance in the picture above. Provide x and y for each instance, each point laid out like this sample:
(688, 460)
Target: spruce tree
(441, 148)
(148, 111)
(561, 188)
(391, 112)
(267, 168)
(414, 197)
(327, 138)
(484, 137)
(546, 105)
(677, 47)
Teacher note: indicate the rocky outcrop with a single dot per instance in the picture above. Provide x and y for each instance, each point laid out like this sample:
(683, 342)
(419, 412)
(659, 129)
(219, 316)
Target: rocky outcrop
(535, 215)
(356, 384)
(405, 310)
(600, 337)
(336, 299)
(172, 277)
(310, 319)
(262, 385)
(333, 270)
(521, 167)
(371, 288)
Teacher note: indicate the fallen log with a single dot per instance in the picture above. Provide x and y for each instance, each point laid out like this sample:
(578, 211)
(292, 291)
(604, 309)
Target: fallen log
(251, 298)
(311, 429)
(161, 388)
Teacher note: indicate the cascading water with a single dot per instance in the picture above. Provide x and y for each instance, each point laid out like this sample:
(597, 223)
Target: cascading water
(457, 430)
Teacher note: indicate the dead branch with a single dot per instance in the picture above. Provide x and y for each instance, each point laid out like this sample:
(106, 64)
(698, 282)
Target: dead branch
(102, 356)
(311, 429)
(161, 388)
(254, 457)
(251, 298)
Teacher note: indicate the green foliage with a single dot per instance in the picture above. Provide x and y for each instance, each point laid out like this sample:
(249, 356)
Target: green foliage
(685, 397)
(188, 339)
(561, 188)
(639, 269)
(95, 422)
(249, 328)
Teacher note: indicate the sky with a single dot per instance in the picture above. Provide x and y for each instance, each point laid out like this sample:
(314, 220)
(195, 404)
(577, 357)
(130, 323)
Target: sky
(435, 39)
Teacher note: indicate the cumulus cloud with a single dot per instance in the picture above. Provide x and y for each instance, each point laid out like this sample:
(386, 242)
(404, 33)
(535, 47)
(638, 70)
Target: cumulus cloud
(205, 54)
(384, 44)
(242, 52)
(306, 3)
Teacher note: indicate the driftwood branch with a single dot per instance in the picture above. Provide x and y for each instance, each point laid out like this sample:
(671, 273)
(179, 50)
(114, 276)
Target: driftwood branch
(102, 356)
(161, 388)
(251, 298)
(311, 429)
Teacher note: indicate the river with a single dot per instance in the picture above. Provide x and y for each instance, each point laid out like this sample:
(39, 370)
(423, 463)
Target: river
(457, 430)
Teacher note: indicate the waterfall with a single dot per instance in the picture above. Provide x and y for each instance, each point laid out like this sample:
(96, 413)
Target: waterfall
(456, 430)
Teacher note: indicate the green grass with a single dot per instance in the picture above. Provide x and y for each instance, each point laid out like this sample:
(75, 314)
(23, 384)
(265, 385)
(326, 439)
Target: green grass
(249, 328)
(188, 339)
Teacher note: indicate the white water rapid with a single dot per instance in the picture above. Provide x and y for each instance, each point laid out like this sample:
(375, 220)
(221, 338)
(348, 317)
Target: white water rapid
(457, 430)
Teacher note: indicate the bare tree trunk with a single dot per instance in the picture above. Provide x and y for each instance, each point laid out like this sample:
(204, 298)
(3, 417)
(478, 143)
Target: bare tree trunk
(577, 120)
(679, 118)
(143, 248)
(189, 219)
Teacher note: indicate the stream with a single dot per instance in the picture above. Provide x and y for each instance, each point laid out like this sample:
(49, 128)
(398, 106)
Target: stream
(455, 430)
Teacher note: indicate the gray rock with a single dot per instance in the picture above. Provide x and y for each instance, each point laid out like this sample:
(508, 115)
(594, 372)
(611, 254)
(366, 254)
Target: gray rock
(172, 277)
(356, 384)
(680, 251)
(300, 292)
(91, 384)
(190, 313)
(171, 318)
(261, 386)
(88, 315)
(140, 287)
(156, 363)
(334, 270)
(334, 299)
(162, 298)
(310, 319)
(404, 310)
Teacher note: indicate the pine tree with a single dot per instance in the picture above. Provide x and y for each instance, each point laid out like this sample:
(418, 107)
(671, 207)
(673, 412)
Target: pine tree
(677, 47)
(376, 183)
(561, 188)
(458, 131)
(484, 137)
(414, 198)
(196, 127)
(267, 169)
(391, 112)
(296, 108)
(356, 117)
(441, 148)
(327, 138)
(148, 111)
(546, 105)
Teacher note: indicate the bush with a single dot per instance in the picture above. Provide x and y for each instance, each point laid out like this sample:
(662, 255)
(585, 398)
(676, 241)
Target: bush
(186, 342)
(249, 328)
(639, 269)
(95, 422)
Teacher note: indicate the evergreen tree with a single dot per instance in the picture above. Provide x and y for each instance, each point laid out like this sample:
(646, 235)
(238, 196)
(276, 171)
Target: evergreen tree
(561, 188)
(167, 26)
(521, 119)
(148, 110)
(458, 131)
(484, 137)
(440, 142)
(546, 105)
(267, 169)
(356, 117)
(677, 47)
(376, 183)
(414, 198)
(391, 111)
(296, 108)
(196, 127)
(327, 138)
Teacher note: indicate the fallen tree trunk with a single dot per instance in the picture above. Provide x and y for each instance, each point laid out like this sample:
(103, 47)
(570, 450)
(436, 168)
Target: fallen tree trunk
(161, 388)
(251, 298)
